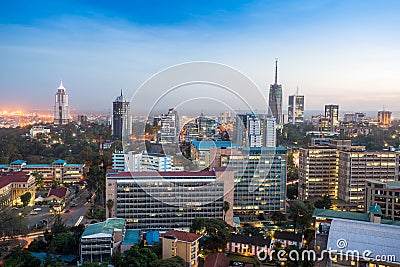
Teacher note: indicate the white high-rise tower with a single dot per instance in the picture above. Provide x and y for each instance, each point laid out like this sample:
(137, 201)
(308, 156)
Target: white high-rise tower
(61, 108)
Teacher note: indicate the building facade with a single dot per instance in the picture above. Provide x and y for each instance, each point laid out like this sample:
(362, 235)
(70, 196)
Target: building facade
(169, 200)
(386, 195)
(355, 167)
(318, 172)
(169, 132)
(296, 109)
(61, 107)
(182, 244)
(385, 118)
(275, 98)
(14, 184)
(255, 130)
(332, 113)
(141, 162)
(260, 178)
(121, 121)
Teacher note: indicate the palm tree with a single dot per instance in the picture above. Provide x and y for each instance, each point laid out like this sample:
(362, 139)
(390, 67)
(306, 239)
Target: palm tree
(110, 205)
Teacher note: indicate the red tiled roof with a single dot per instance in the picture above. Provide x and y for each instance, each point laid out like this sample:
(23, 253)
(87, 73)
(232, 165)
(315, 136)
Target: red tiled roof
(217, 259)
(183, 236)
(58, 192)
(13, 177)
(163, 174)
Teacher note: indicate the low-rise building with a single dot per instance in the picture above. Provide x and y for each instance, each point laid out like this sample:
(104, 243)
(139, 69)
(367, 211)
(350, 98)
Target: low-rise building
(284, 238)
(100, 240)
(182, 244)
(58, 194)
(59, 170)
(248, 245)
(15, 184)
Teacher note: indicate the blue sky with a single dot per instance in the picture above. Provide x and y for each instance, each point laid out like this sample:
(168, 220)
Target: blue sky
(339, 51)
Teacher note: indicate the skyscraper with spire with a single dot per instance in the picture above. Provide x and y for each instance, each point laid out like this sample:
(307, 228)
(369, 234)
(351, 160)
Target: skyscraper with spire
(61, 108)
(121, 123)
(275, 98)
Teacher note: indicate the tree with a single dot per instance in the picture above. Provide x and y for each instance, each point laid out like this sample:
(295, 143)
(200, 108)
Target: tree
(226, 208)
(58, 226)
(38, 178)
(138, 257)
(25, 198)
(292, 191)
(110, 206)
(64, 243)
(324, 203)
(12, 223)
(171, 262)
(251, 230)
(217, 232)
(20, 258)
(301, 213)
(278, 217)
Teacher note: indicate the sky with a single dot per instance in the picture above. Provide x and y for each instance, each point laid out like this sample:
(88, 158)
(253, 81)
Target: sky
(335, 51)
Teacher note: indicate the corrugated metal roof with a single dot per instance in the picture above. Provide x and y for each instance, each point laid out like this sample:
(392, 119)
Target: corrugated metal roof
(106, 227)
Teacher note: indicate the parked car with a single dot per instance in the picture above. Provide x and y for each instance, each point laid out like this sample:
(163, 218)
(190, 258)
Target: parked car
(37, 209)
(73, 205)
(33, 213)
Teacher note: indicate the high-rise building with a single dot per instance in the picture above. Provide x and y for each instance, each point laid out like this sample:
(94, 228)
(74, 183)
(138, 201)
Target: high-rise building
(61, 108)
(141, 162)
(355, 167)
(169, 200)
(385, 118)
(255, 130)
(332, 113)
(121, 123)
(260, 178)
(296, 108)
(275, 98)
(169, 131)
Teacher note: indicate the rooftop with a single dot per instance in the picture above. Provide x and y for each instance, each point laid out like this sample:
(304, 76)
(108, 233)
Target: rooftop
(106, 227)
(298, 237)
(60, 161)
(183, 236)
(206, 145)
(162, 174)
(216, 260)
(59, 192)
(13, 177)
(131, 237)
(18, 162)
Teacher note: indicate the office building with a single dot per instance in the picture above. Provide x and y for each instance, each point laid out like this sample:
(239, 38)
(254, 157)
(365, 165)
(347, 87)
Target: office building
(169, 200)
(255, 130)
(260, 178)
(14, 184)
(121, 121)
(385, 118)
(200, 151)
(182, 244)
(141, 162)
(318, 172)
(384, 194)
(332, 113)
(275, 98)
(59, 170)
(61, 107)
(100, 240)
(169, 132)
(355, 167)
(296, 109)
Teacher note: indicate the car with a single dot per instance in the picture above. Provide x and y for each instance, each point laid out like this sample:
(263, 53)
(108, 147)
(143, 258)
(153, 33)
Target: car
(73, 205)
(37, 209)
(33, 213)
(67, 211)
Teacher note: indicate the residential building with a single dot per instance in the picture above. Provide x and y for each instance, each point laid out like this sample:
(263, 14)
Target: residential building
(248, 245)
(386, 195)
(385, 118)
(61, 107)
(296, 109)
(39, 129)
(332, 113)
(14, 184)
(275, 98)
(341, 233)
(121, 121)
(169, 200)
(182, 244)
(255, 130)
(170, 129)
(355, 167)
(100, 240)
(260, 178)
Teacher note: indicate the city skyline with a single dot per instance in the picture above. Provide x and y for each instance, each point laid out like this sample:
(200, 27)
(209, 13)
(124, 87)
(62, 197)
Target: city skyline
(327, 48)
